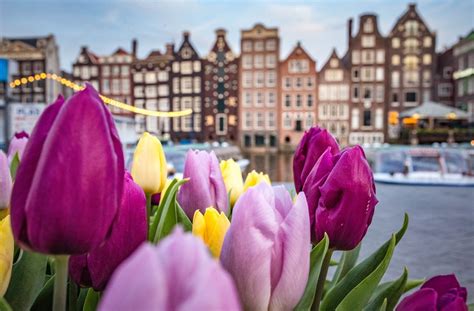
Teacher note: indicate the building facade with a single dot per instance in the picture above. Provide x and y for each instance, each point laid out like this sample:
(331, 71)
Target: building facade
(334, 81)
(412, 60)
(367, 50)
(151, 86)
(30, 57)
(260, 50)
(187, 86)
(298, 97)
(221, 92)
(463, 60)
(443, 83)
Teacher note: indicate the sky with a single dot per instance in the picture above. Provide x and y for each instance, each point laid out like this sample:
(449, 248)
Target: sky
(104, 25)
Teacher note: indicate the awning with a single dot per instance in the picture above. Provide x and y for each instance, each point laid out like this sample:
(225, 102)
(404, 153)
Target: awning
(434, 110)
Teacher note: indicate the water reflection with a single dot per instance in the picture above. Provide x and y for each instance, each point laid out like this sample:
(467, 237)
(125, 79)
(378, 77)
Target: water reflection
(279, 166)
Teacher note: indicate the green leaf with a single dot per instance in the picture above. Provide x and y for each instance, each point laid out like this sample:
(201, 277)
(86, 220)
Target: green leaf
(347, 262)
(82, 298)
(470, 307)
(4, 306)
(411, 284)
(156, 216)
(316, 260)
(44, 301)
(354, 290)
(14, 165)
(183, 218)
(389, 292)
(92, 300)
(28, 277)
(383, 307)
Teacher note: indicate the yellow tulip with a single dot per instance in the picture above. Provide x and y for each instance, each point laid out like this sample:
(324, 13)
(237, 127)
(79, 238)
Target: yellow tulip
(211, 228)
(6, 254)
(233, 180)
(254, 178)
(149, 168)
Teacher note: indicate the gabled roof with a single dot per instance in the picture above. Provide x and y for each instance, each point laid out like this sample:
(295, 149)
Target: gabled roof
(120, 51)
(406, 15)
(297, 47)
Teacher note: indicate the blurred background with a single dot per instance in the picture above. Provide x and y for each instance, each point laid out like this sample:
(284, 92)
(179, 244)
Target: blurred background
(396, 77)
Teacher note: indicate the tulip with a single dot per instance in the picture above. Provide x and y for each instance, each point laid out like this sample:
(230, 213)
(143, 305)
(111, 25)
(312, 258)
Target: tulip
(233, 181)
(128, 232)
(267, 247)
(6, 254)
(69, 185)
(149, 168)
(177, 274)
(341, 196)
(156, 198)
(441, 292)
(314, 142)
(253, 178)
(5, 182)
(17, 145)
(211, 228)
(205, 186)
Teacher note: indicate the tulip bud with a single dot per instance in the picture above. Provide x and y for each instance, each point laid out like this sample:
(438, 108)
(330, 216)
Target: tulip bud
(69, 185)
(211, 228)
(152, 279)
(205, 186)
(6, 254)
(5, 182)
(341, 198)
(267, 247)
(253, 178)
(149, 168)
(233, 181)
(128, 232)
(441, 292)
(314, 142)
(17, 145)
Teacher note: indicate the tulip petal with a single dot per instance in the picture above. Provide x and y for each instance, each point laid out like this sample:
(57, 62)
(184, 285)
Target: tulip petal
(6, 254)
(424, 299)
(5, 182)
(442, 283)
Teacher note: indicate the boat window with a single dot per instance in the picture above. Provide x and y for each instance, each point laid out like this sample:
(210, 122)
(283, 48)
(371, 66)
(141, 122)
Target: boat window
(455, 163)
(425, 164)
(391, 162)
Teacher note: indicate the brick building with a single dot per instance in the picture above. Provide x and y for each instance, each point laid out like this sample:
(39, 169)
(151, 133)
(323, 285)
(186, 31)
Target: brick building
(463, 60)
(443, 82)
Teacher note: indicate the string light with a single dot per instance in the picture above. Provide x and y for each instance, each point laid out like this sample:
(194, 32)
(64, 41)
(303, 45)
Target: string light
(107, 100)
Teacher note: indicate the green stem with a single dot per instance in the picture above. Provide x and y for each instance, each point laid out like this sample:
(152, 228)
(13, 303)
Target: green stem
(60, 282)
(322, 280)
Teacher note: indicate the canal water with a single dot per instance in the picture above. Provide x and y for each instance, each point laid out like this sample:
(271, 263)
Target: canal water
(440, 236)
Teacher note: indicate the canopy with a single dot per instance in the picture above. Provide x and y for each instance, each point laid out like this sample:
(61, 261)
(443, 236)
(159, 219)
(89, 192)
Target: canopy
(436, 111)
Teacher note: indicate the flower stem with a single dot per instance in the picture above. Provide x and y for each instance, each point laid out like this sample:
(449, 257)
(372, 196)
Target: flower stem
(321, 280)
(60, 282)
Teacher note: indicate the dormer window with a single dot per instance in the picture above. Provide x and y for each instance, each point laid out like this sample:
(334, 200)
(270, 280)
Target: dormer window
(369, 25)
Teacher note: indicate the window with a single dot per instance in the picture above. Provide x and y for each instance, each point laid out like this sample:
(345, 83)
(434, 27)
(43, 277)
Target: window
(258, 46)
(247, 46)
(259, 120)
(115, 70)
(379, 118)
(309, 83)
(396, 60)
(333, 75)
(271, 78)
(176, 88)
(150, 91)
(299, 83)
(368, 41)
(115, 86)
(197, 84)
(298, 66)
(309, 101)
(343, 92)
(287, 120)
(395, 79)
(186, 67)
(271, 99)
(186, 103)
(426, 95)
(309, 120)
(105, 85)
(138, 90)
(163, 90)
(247, 99)
(410, 97)
(411, 78)
(125, 86)
(379, 74)
(271, 120)
(150, 77)
(287, 83)
(368, 25)
(367, 57)
(176, 69)
(258, 61)
(355, 92)
(355, 57)
(197, 66)
(186, 85)
(379, 93)
(334, 63)
(259, 99)
(355, 74)
(411, 28)
(247, 79)
(323, 92)
(367, 74)
(271, 45)
(163, 75)
(247, 61)
(355, 118)
(125, 70)
(445, 89)
(38, 68)
(395, 43)
(248, 120)
(367, 92)
(85, 72)
(427, 42)
(411, 45)
(197, 104)
(138, 77)
(394, 97)
(460, 88)
(298, 101)
(77, 71)
(367, 117)
(259, 79)
(427, 59)
(426, 78)
(164, 104)
(447, 72)
(380, 56)
(270, 61)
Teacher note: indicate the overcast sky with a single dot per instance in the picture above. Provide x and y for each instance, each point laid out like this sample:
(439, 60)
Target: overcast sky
(104, 25)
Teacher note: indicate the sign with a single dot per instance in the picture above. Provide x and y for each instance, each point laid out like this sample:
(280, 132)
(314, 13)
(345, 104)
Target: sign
(3, 70)
(23, 117)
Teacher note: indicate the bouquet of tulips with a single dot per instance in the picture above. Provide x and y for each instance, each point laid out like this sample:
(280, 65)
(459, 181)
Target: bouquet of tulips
(79, 232)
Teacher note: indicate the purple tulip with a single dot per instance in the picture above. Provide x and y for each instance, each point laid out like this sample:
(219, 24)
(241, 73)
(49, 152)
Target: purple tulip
(128, 232)
(267, 248)
(205, 187)
(69, 185)
(178, 274)
(341, 198)
(5, 182)
(312, 145)
(440, 293)
(17, 145)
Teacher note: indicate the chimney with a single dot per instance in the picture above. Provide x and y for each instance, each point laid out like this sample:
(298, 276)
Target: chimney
(221, 32)
(134, 48)
(412, 6)
(349, 32)
(84, 49)
(186, 35)
(170, 49)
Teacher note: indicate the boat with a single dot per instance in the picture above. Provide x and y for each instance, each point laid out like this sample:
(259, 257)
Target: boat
(424, 166)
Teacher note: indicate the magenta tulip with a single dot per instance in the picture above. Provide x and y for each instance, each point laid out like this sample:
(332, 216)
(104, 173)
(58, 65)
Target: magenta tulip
(69, 185)
(267, 248)
(205, 187)
(178, 274)
(5, 182)
(17, 145)
(440, 293)
(129, 230)
(341, 198)
(314, 142)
